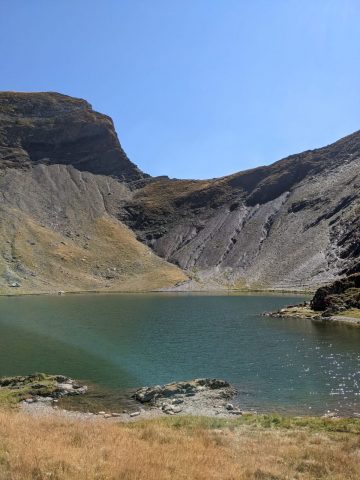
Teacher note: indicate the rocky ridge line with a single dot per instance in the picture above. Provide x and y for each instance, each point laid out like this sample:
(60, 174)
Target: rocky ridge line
(67, 190)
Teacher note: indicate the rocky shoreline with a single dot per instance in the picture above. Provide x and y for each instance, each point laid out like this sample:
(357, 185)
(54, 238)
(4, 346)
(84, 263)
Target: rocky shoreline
(200, 397)
(304, 311)
(39, 395)
(338, 302)
(39, 386)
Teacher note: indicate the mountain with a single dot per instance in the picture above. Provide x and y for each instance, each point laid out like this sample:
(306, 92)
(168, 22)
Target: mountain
(293, 224)
(76, 214)
(49, 128)
(63, 177)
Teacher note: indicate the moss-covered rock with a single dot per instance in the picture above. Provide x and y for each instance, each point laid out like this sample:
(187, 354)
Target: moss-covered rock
(16, 389)
(342, 295)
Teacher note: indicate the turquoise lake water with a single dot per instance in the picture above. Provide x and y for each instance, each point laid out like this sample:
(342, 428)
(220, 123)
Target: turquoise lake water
(119, 342)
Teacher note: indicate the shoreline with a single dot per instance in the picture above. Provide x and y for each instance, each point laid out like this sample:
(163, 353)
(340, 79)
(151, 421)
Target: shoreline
(199, 397)
(210, 398)
(305, 313)
(43, 409)
(41, 395)
(210, 292)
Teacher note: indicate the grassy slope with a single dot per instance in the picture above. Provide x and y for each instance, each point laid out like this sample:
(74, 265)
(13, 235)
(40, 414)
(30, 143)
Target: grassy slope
(43, 260)
(161, 194)
(259, 448)
(354, 313)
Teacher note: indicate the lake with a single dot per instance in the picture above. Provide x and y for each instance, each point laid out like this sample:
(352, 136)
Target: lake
(118, 342)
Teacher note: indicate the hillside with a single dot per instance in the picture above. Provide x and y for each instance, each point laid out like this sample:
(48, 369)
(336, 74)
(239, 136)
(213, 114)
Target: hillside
(293, 224)
(58, 228)
(77, 214)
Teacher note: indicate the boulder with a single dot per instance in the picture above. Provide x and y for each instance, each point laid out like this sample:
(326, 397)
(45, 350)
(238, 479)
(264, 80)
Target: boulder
(341, 295)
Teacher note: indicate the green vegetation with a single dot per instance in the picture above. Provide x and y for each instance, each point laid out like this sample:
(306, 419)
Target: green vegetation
(113, 260)
(261, 421)
(353, 313)
(16, 389)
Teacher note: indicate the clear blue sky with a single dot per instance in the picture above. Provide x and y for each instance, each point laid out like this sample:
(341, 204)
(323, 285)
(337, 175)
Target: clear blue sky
(196, 88)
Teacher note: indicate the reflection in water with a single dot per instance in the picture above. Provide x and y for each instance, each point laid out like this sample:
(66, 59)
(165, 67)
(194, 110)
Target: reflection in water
(124, 341)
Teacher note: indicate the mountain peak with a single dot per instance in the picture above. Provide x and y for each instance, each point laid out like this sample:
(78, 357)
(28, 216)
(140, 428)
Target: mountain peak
(51, 128)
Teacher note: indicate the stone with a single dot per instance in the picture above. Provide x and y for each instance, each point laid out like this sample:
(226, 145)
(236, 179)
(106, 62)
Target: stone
(177, 409)
(229, 406)
(65, 386)
(134, 414)
(167, 407)
(341, 295)
(62, 379)
(45, 399)
(146, 394)
(193, 397)
(329, 414)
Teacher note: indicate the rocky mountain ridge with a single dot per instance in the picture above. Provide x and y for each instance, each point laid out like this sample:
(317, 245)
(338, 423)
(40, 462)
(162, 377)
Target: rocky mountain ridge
(292, 224)
(78, 215)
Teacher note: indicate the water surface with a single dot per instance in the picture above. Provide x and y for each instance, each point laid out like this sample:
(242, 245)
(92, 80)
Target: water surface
(124, 341)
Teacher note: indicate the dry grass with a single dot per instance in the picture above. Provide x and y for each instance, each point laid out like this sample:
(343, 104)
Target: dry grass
(49, 448)
(162, 193)
(353, 313)
(300, 311)
(45, 260)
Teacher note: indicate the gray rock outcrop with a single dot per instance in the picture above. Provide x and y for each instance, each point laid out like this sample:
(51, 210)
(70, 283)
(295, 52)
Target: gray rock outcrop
(203, 396)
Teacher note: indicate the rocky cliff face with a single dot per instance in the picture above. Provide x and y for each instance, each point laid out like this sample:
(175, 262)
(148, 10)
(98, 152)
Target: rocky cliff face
(49, 128)
(68, 194)
(63, 178)
(293, 224)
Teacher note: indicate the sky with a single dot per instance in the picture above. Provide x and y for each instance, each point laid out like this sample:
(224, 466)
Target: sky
(196, 88)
